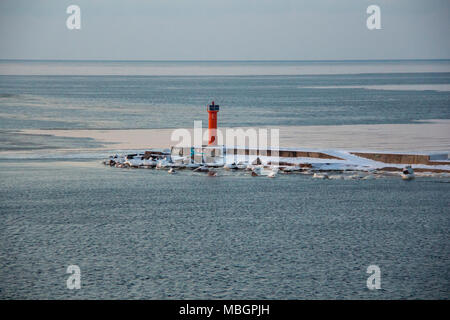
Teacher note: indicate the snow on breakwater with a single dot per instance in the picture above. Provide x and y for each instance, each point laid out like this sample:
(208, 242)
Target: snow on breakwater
(288, 160)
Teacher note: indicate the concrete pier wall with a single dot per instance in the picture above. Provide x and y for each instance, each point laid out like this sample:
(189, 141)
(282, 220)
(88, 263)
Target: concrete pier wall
(400, 158)
(209, 153)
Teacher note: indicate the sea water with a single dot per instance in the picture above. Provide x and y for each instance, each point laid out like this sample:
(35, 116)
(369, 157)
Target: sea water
(147, 234)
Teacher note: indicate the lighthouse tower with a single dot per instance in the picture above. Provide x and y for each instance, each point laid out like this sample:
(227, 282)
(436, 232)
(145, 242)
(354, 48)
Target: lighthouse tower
(212, 124)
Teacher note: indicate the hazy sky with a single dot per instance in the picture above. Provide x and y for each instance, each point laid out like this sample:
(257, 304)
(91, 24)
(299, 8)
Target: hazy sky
(224, 29)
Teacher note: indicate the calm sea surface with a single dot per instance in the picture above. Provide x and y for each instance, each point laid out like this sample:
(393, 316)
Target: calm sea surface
(146, 234)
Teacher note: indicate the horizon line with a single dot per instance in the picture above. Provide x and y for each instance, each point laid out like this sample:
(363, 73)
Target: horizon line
(223, 60)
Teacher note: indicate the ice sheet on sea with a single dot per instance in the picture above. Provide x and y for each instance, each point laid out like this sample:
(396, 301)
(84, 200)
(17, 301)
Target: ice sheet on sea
(54, 155)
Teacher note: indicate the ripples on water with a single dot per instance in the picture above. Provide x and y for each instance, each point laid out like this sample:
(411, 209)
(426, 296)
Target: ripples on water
(123, 102)
(147, 234)
(154, 100)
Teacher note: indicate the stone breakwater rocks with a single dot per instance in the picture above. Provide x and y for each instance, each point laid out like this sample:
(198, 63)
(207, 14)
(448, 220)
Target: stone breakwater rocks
(339, 165)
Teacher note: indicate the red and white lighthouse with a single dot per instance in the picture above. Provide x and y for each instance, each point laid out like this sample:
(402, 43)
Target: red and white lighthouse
(212, 123)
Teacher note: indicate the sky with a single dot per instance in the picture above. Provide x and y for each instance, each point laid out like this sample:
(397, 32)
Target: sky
(224, 30)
